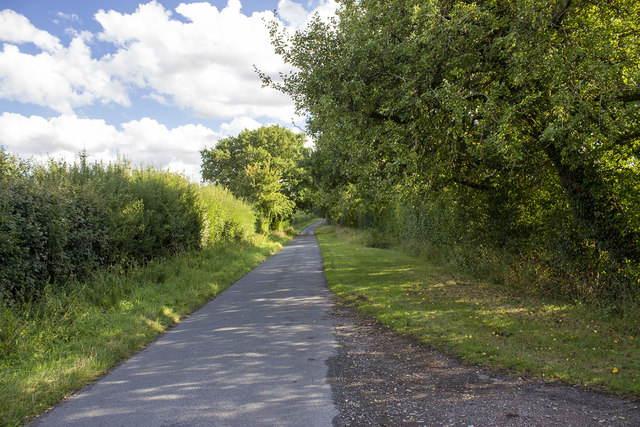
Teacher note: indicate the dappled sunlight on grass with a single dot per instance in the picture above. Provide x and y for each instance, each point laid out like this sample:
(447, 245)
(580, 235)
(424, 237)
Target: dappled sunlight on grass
(86, 330)
(154, 325)
(482, 322)
(390, 271)
(168, 313)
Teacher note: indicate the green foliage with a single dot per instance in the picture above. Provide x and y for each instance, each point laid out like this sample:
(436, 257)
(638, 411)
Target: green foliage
(263, 166)
(111, 235)
(479, 322)
(303, 218)
(227, 218)
(52, 231)
(69, 337)
(264, 184)
(60, 222)
(490, 125)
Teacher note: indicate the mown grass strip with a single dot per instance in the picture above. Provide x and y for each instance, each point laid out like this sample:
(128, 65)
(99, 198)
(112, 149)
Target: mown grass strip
(483, 323)
(67, 340)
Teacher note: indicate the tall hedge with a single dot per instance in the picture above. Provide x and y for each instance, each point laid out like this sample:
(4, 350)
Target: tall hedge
(226, 218)
(60, 222)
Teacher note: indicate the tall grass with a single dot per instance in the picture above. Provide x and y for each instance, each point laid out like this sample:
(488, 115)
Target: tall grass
(226, 218)
(482, 322)
(541, 251)
(54, 345)
(97, 260)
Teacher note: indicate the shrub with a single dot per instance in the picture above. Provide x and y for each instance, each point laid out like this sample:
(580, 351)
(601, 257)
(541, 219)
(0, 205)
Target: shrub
(226, 218)
(61, 222)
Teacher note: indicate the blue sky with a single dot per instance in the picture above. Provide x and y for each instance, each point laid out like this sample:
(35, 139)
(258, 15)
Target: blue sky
(155, 81)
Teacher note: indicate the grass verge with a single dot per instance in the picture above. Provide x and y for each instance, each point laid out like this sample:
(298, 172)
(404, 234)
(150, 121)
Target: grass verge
(69, 339)
(480, 322)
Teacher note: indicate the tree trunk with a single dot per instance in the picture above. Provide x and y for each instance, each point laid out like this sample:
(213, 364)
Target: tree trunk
(601, 217)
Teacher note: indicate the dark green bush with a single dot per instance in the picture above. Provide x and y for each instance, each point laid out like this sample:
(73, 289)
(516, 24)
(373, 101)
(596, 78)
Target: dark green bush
(61, 222)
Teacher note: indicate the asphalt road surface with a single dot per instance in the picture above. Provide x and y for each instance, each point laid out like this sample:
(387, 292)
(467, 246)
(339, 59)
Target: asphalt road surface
(253, 356)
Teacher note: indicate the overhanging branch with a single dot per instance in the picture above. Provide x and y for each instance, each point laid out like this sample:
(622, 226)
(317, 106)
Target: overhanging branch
(556, 21)
(631, 94)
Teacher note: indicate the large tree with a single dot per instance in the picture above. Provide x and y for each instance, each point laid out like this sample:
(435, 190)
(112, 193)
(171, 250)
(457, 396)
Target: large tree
(262, 166)
(523, 110)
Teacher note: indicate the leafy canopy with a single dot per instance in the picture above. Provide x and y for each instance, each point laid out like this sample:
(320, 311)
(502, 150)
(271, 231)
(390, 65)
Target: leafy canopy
(518, 121)
(262, 166)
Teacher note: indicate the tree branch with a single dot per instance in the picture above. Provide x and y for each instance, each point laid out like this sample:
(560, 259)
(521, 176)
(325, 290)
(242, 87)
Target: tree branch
(474, 185)
(630, 94)
(476, 96)
(389, 117)
(556, 21)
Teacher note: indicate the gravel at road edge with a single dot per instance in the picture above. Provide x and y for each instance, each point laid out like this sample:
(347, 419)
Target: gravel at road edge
(380, 378)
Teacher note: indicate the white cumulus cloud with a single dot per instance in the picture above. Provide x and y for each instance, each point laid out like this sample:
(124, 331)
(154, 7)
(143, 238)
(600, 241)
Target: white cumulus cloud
(293, 13)
(67, 17)
(59, 137)
(204, 65)
(144, 141)
(198, 58)
(16, 28)
(61, 79)
(298, 17)
(238, 124)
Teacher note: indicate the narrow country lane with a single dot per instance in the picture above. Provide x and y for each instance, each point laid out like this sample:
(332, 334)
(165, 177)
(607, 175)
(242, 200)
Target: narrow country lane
(255, 355)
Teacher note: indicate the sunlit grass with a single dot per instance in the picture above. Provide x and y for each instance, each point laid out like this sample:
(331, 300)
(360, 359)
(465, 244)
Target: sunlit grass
(67, 340)
(480, 322)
